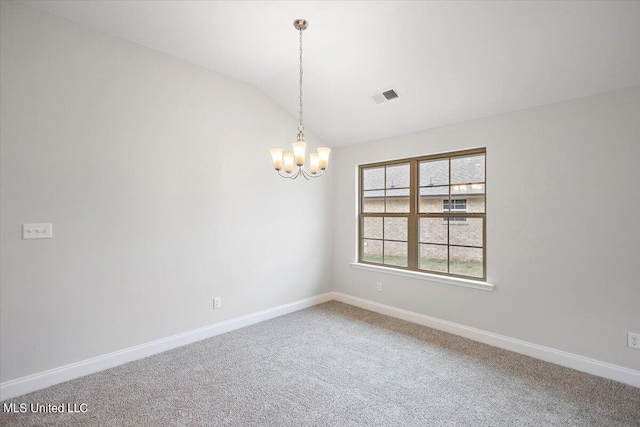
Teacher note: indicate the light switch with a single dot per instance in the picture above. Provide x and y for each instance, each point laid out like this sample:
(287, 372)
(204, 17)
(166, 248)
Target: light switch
(37, 231)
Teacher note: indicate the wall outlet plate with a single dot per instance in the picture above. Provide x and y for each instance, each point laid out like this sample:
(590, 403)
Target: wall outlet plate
(217, 303)
(633, 340)
(379, 286)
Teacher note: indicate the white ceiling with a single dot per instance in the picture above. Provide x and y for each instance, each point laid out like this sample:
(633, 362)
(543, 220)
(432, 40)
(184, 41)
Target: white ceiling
(449, 61)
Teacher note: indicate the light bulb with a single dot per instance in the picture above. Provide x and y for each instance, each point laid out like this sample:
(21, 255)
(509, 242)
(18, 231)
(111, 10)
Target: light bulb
(288, 161)
(298, 152)
(323, 156)
(314, 163)
(276, 156)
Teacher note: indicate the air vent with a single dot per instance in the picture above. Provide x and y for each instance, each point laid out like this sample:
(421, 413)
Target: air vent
(384, 96)
(390, 94)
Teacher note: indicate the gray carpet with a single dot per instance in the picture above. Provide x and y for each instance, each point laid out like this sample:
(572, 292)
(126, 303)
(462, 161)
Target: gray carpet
(337, 365)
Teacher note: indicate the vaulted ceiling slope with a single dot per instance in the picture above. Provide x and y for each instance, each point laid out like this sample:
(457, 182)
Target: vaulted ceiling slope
(449, 61)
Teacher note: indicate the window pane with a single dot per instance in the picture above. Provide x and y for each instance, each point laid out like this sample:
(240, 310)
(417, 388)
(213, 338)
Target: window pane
(395, 229)
(433, 257)
(467, 232)
(372, 251)
(373, 178)
(398, 176)
(475, 204)
(441, 191)
(372, 228)
(465, 261)
(431, 199)
(398, 200)
(373, 201)
(397, 193)
(433, 230)
(467, 169)
(467, 189)
(395, 253)
(434, 172)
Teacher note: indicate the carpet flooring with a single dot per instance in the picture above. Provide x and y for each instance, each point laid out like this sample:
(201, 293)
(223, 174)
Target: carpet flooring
(337, 365)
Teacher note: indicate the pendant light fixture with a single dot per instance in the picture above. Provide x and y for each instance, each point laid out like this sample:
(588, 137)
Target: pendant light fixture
(289, 160)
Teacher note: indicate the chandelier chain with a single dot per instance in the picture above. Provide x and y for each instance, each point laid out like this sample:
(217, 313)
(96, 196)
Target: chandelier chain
(301, 127)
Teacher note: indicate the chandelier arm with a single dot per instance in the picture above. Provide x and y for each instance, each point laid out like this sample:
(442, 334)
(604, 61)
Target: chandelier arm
(310, 175)
(290, 176)
(301, 171)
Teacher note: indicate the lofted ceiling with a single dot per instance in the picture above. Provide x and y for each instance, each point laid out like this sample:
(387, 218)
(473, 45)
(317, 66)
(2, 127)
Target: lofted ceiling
(449, 61)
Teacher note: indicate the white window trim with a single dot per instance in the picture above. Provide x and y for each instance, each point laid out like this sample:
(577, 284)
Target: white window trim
(457, 281)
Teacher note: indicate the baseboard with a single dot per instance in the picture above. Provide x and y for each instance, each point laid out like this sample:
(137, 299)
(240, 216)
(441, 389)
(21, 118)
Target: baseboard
(38, 381)
(562, 358)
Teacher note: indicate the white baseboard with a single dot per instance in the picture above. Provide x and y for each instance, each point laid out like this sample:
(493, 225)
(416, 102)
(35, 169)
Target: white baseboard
(24, 385)
(562, 358)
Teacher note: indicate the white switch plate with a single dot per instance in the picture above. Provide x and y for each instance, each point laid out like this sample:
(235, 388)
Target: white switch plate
(217, 303)
(37, 231)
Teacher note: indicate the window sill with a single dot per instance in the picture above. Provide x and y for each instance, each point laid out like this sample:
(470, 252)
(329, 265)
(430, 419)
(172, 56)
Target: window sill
(426, 276)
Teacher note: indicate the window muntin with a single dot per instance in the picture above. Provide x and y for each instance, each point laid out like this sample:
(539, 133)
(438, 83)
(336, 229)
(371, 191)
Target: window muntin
(411, 209)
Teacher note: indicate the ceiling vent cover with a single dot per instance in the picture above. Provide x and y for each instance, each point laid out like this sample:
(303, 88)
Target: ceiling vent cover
(384, 96)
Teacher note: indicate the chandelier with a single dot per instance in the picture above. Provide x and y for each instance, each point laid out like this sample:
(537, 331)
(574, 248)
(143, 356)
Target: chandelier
(319, 161)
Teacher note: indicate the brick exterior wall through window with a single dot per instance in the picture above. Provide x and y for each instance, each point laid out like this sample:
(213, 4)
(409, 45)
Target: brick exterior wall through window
(434, 229)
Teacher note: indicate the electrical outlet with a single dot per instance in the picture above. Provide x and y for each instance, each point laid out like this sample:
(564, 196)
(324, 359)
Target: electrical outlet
(217, 303)
(379, 286)
(633, 340)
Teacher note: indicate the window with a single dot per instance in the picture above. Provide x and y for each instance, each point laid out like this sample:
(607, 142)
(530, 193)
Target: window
(457, 205)
(410, 211)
